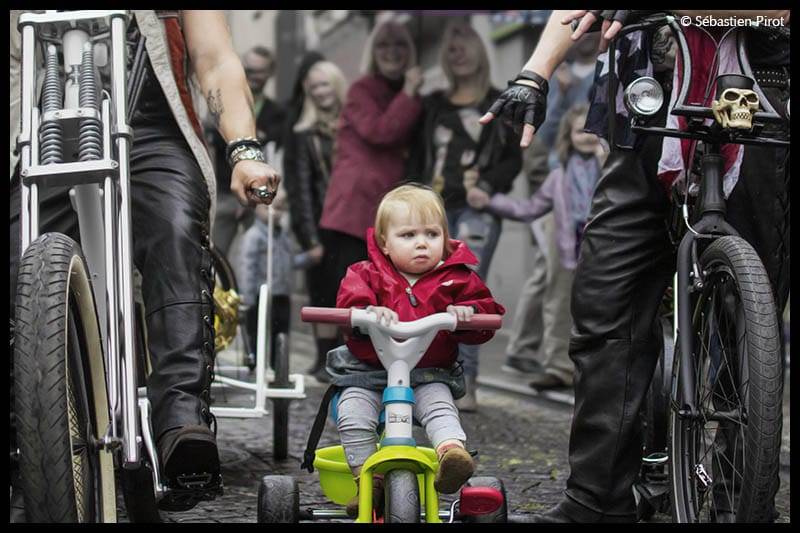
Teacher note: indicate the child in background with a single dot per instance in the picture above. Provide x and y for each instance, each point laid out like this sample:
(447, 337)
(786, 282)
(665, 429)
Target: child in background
(413, 270)
(252, 268)
(568, 192)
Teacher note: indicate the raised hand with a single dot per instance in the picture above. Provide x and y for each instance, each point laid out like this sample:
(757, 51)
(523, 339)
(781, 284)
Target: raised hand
(522, 105)
(611, 21)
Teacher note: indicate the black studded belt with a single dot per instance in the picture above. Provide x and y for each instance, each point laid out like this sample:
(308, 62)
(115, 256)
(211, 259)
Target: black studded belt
(772, 76)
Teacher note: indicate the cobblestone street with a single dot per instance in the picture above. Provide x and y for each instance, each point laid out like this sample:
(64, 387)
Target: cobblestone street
(521, 440)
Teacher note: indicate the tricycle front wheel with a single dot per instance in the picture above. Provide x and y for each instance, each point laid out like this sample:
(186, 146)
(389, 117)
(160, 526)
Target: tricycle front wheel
(401, 493)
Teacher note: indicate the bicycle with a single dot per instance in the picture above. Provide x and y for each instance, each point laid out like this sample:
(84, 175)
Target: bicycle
(79, 341)
(725, 402)
(408, 470)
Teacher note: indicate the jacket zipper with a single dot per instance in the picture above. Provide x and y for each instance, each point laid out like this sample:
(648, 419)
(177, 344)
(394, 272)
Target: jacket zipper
(411, 297)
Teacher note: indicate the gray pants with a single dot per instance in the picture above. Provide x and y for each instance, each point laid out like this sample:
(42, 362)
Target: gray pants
(358, 411)
(554, 354)
(527, 327)
(544, 305)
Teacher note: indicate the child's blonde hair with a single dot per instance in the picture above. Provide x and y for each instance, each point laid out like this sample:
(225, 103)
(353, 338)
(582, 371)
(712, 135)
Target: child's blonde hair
(421, 201)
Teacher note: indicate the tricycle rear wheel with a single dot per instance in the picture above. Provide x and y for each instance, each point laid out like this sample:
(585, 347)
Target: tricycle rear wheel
(278, 500)
(280, 406)
(500, 516)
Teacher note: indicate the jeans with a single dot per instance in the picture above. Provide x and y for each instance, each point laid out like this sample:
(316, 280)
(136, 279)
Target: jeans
(480, 232)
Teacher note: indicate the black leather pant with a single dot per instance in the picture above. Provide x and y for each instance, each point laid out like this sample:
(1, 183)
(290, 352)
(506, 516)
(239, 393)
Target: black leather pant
(626, 262)
(170, 211)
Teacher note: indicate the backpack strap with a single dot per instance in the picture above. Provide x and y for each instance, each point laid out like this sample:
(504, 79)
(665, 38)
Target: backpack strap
(317, 428)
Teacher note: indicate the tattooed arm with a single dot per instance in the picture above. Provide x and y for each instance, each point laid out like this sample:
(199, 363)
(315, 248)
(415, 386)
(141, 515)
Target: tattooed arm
(227, 94)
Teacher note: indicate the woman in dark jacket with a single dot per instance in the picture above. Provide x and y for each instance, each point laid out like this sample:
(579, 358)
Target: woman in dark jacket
(313, 138)
(372, 143)
(464, 160)
(294, 108)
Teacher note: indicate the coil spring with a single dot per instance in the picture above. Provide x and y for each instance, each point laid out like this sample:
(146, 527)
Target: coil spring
(90, 134)
(51, 138)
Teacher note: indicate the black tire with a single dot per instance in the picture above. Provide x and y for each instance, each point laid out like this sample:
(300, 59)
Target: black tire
(61, 404)
(278, 500)
(223, 270)
(401, 497)
(280, 406)
(137, 491)
(500, 516)
(738, 351)
(656, 408)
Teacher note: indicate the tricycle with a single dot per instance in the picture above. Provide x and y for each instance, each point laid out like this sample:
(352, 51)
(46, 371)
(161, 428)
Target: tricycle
(409, 470)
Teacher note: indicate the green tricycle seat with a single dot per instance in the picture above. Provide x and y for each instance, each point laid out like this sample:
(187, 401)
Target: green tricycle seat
(337, 481)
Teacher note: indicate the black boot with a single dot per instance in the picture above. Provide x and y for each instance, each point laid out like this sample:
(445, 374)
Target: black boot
(318, 370)
(182, 348)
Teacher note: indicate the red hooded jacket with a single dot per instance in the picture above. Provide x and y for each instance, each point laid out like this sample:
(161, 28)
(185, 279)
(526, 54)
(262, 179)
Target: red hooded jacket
(377, 282)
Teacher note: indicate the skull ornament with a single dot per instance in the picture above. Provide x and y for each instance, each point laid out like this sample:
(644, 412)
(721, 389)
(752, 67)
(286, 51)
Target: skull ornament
(735, 108)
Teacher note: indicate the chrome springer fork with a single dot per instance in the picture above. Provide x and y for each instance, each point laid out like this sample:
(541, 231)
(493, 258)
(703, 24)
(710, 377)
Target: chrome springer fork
(100, 178)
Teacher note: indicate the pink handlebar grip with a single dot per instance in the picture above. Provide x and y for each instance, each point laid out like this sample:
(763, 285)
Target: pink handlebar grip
(481, 322)
(327, 315)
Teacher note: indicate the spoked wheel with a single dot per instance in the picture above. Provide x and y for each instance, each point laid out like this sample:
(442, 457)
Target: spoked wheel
(401, 497)
(61, 404)
(724, 463)
(280, 406)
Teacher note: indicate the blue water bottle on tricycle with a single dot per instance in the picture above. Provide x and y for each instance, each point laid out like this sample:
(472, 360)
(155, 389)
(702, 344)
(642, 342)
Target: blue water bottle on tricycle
(408, 470)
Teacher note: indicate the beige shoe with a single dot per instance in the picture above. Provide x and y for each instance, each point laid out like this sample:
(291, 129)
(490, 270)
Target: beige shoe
(455, 468)
(546, 381)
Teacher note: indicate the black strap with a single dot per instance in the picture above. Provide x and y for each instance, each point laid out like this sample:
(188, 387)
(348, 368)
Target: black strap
(317, 428)
(532, 76)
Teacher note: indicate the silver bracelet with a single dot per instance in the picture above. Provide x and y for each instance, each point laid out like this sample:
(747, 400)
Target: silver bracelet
(246, 153)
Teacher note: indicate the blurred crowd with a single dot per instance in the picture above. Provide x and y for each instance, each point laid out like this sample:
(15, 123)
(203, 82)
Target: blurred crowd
(341, 144)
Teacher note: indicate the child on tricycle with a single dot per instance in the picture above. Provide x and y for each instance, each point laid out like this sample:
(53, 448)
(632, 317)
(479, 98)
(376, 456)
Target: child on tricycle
(414, 270)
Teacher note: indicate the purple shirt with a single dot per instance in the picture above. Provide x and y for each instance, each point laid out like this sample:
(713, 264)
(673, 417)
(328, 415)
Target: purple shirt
(555, 194)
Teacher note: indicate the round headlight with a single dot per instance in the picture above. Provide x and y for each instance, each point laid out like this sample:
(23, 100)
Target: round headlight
(644, 96)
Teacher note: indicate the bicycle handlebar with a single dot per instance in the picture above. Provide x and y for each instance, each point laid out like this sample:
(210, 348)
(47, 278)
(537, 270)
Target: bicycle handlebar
(681, 107)
(325, 315)
(342, 317)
